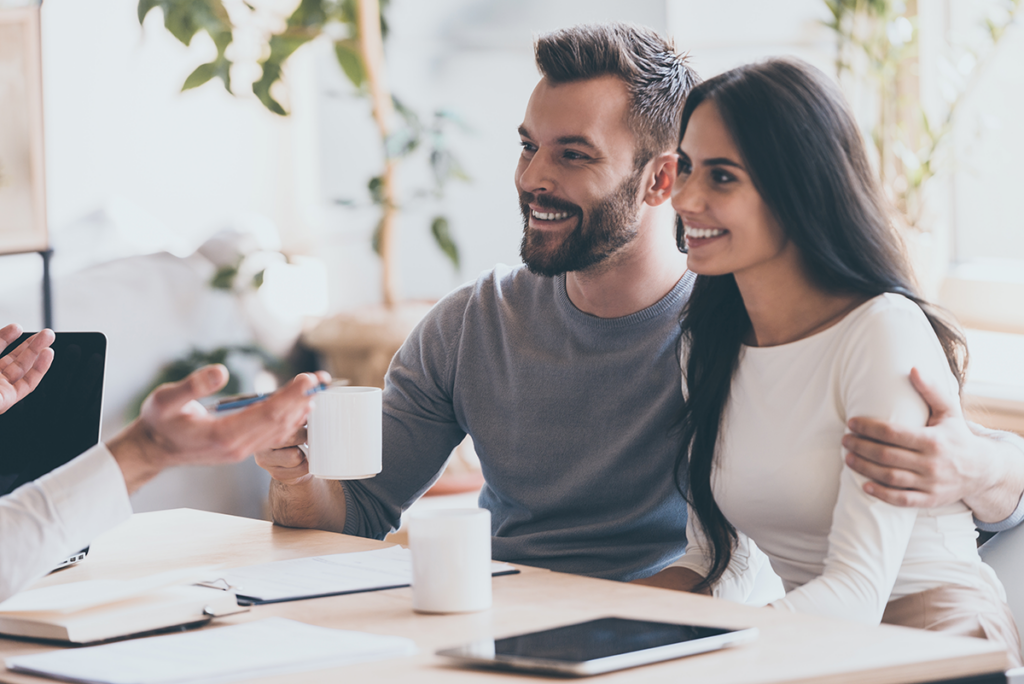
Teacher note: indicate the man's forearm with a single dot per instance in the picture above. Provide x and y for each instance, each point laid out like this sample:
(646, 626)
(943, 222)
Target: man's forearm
(1005, 482)
(310, 503)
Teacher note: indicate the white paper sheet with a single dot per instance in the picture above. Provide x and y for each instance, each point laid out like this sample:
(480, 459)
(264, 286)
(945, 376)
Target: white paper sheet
(324, 575)
(273, 646)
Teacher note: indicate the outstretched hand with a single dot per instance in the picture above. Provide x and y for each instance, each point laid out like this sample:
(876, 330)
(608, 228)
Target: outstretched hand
(175, 429)
(23, 368)
(935, 465)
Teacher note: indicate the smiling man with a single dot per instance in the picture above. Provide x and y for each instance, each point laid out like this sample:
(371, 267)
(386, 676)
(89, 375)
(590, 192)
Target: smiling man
(565, 371)
(558, 236)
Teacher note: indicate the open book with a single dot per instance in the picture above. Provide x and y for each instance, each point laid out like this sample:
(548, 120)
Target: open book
(99, 610)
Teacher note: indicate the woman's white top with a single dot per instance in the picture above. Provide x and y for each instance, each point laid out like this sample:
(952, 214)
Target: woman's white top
(780, 477)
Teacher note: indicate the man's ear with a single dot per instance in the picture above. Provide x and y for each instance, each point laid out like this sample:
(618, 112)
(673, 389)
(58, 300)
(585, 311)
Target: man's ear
(663, 175)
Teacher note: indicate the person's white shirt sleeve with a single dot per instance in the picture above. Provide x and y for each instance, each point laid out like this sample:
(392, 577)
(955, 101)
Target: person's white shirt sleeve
(45, 521)
(1017, 516)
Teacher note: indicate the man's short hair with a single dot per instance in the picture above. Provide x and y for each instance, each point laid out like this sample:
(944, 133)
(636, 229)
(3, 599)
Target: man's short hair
(657, 77)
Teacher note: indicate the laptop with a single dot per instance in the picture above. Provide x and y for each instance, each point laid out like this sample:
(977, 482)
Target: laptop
(60, 419)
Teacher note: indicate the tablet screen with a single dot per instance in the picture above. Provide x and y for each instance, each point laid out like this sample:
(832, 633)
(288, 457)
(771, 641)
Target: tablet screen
(60, 419)
(600, 639)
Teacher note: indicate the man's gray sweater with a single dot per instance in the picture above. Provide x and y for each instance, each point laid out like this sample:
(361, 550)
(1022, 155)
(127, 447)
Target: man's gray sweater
(574, 419)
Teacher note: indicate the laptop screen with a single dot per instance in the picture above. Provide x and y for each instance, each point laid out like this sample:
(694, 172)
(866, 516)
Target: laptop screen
(60, 419)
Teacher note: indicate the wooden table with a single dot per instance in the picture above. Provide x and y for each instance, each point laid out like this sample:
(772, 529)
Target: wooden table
(791, 648)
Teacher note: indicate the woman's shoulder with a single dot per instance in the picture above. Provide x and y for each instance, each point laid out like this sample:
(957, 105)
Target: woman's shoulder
(889, 312)
(887, 336)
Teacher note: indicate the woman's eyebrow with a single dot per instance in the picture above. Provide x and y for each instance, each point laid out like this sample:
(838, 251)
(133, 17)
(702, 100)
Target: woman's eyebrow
(714, 161)
(721, 161)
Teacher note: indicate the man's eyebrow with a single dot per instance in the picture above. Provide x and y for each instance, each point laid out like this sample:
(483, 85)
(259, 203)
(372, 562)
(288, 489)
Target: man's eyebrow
(565, 139)
(576, 140)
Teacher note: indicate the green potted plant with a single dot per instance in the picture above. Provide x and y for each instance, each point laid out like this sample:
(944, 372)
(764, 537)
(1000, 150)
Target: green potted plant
(356, 345)
(360, 344)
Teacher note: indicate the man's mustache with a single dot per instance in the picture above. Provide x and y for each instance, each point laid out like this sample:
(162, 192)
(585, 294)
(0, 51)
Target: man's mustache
(547, 202)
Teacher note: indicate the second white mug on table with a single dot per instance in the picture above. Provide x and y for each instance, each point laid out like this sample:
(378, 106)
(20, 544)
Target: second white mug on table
(451, 560)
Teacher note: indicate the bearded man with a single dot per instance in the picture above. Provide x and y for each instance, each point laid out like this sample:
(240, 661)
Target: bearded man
(564, 371)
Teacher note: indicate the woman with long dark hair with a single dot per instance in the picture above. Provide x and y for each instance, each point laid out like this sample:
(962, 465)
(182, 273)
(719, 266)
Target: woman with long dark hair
(804, 314)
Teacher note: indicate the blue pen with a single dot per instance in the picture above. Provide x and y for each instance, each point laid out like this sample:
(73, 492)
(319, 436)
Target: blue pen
(232, 403)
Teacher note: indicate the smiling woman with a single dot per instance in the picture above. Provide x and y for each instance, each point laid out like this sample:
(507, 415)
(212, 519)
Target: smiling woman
(727, 226)
(803, 315)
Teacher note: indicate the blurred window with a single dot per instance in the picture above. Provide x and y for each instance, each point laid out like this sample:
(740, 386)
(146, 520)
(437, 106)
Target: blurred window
(989, 138)
(986, 284)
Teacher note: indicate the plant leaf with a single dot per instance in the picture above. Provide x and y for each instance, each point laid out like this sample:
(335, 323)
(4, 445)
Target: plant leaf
(443, 117)
(184, 19)
(304, 24)
(401, 143)
(224, 278)
(375, 238)
(144, 7)
(350, 60)
(446, 167)
(443, 237)
(261, 88)
(411, 118)
(376, 188)
(202, 74)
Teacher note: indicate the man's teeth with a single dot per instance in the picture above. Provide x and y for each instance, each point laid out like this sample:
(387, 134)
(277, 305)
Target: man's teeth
(551, 216)
(703, 232)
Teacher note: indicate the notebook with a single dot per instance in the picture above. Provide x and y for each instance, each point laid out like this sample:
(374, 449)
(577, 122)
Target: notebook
(100, 610)
(60, 419)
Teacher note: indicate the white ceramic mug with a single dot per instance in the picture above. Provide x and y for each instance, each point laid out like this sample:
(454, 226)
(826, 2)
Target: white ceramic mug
(343, 433)
(451, 560)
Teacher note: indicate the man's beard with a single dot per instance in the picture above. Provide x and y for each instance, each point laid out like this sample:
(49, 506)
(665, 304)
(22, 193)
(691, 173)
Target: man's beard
(611, 225)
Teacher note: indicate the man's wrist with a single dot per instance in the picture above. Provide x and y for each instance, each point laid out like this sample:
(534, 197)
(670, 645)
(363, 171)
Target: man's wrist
(131, 450)
(999, 495)
(310, 503)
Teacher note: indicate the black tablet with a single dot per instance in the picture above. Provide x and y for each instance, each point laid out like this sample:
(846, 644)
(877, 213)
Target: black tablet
(60, 419)
(597, 646)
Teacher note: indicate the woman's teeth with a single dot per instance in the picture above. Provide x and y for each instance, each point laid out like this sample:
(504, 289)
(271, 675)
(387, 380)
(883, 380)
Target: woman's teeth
(703, 232)
(551, 216)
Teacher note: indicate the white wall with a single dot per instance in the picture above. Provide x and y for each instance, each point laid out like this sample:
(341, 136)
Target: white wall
(117, 126)
(989, 142)
(727, 33)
